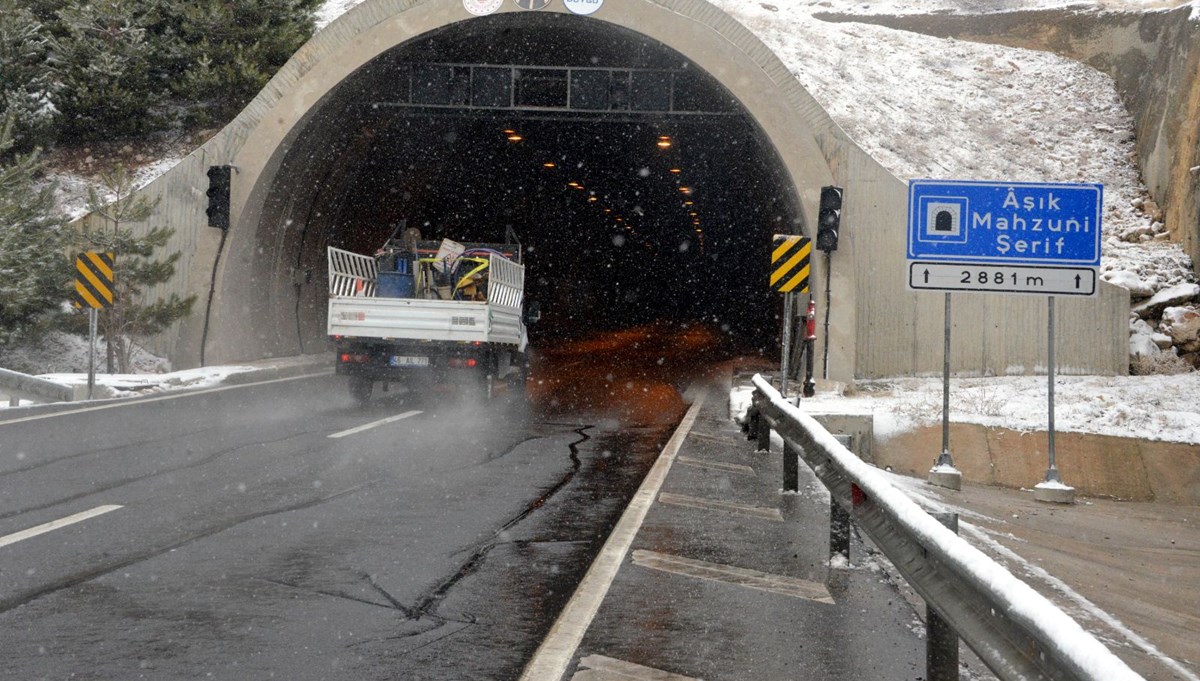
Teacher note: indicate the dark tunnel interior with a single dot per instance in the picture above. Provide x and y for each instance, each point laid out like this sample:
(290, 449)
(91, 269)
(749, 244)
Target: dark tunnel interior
(650, 197)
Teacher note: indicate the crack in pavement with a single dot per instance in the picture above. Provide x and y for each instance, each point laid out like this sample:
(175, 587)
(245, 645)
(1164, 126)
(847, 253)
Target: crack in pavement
(332, 594)
(429, 601)
(408, 613)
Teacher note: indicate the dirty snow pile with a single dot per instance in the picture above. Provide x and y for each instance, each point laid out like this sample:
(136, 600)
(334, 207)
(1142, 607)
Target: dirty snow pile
(941, 108)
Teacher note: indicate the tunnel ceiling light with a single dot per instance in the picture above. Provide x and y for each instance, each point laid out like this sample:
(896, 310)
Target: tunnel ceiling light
(688, 203)
(664, 142)
(685, 190)
(549, 164)
(592, 199)
(515, 138)
(676, 170)
(608, 210)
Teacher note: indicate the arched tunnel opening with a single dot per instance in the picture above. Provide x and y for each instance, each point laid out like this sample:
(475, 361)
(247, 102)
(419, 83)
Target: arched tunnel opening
(642, 192)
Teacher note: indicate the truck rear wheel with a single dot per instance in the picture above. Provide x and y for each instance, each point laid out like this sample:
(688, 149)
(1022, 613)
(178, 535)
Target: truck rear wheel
(360, 388)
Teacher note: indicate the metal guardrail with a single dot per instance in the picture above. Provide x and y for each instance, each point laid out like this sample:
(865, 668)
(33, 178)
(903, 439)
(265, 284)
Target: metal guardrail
(23, 386)
(1017, 632)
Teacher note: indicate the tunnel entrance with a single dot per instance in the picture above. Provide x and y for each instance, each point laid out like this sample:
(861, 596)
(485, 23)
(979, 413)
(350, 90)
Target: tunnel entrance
(642, 192)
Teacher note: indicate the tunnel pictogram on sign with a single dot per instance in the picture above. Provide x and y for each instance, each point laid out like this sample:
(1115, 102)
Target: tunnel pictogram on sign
(790, 269)
(93, 281)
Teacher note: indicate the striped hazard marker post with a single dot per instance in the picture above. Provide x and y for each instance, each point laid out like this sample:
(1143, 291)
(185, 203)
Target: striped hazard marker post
(790, 269)
(94, 281)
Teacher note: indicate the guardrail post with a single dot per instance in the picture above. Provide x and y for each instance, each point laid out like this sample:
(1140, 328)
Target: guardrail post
(839, 532)
(791, 468)
(763, 431)
(941, 641)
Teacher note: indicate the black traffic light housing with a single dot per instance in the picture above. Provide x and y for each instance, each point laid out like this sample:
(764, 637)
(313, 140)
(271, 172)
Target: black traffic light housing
(829, 219)
(218, 196)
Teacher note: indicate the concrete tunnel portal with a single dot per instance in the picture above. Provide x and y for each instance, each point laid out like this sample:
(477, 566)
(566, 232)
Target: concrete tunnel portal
(398, 111)
(640, 188)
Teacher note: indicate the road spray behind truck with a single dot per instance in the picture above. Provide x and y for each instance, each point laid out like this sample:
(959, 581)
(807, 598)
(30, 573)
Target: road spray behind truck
(423, 314)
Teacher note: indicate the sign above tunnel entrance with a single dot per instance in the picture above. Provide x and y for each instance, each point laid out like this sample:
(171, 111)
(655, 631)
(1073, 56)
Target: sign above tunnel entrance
(1010, 237)
(482, 8)
(583, 6)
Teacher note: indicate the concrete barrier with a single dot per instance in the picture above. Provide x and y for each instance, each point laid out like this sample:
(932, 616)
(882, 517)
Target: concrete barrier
(1096, 465)
(19, 386)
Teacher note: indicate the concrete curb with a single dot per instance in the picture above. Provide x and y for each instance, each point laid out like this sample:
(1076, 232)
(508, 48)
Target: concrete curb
(284, 367)
(260, 370)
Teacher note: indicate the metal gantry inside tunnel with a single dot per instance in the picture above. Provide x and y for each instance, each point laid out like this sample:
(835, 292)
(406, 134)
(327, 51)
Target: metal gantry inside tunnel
(640, 189)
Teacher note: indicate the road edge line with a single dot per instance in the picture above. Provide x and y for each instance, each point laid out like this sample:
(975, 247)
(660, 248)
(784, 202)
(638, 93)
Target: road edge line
(552, 657)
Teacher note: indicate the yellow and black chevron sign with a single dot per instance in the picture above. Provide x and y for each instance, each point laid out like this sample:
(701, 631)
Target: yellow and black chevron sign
(93, 280)
(789, 263)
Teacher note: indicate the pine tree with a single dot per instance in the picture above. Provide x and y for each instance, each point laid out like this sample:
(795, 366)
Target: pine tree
(34, 267)
(218, 54)
(26, 81)
(107, 89)
(132, 314)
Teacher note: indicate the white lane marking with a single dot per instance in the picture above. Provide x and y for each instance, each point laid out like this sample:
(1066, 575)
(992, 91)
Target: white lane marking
(374, 424)
(550, 661)
(624, 670)
(56, 524)
(761, 512)
(164, 398)
(717, 465)
(729, 574)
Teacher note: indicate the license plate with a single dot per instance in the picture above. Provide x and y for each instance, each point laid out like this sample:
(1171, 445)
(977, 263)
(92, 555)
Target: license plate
(407, 361)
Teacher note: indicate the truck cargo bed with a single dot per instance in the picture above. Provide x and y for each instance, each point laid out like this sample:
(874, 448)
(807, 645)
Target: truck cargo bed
(436, 320)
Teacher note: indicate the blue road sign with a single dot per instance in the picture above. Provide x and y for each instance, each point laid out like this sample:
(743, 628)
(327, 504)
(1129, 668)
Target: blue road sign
(1010, 223)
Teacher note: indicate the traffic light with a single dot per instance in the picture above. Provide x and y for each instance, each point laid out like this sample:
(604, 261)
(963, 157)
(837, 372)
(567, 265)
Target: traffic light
(829, 218)
(218, 196)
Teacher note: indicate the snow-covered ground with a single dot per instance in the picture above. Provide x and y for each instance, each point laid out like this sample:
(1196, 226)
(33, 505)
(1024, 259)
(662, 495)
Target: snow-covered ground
(1146, 407)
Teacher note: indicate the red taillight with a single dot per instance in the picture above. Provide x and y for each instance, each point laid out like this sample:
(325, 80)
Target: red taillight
(472, 362)
(459, 363)
(348, 358)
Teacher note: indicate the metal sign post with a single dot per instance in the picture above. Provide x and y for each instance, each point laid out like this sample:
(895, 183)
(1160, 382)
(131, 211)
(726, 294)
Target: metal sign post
(784, 367)
(91, 385)
(1051, 488)
(943, 473)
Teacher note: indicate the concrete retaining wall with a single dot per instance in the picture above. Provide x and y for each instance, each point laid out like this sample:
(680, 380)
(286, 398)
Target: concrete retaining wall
(1096, 465)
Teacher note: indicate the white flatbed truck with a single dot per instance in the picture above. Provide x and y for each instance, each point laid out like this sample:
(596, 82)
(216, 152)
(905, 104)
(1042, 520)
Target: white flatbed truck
(431, 314)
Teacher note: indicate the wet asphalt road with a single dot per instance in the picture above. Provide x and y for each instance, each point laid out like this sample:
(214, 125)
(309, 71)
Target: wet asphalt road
(249, 544)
